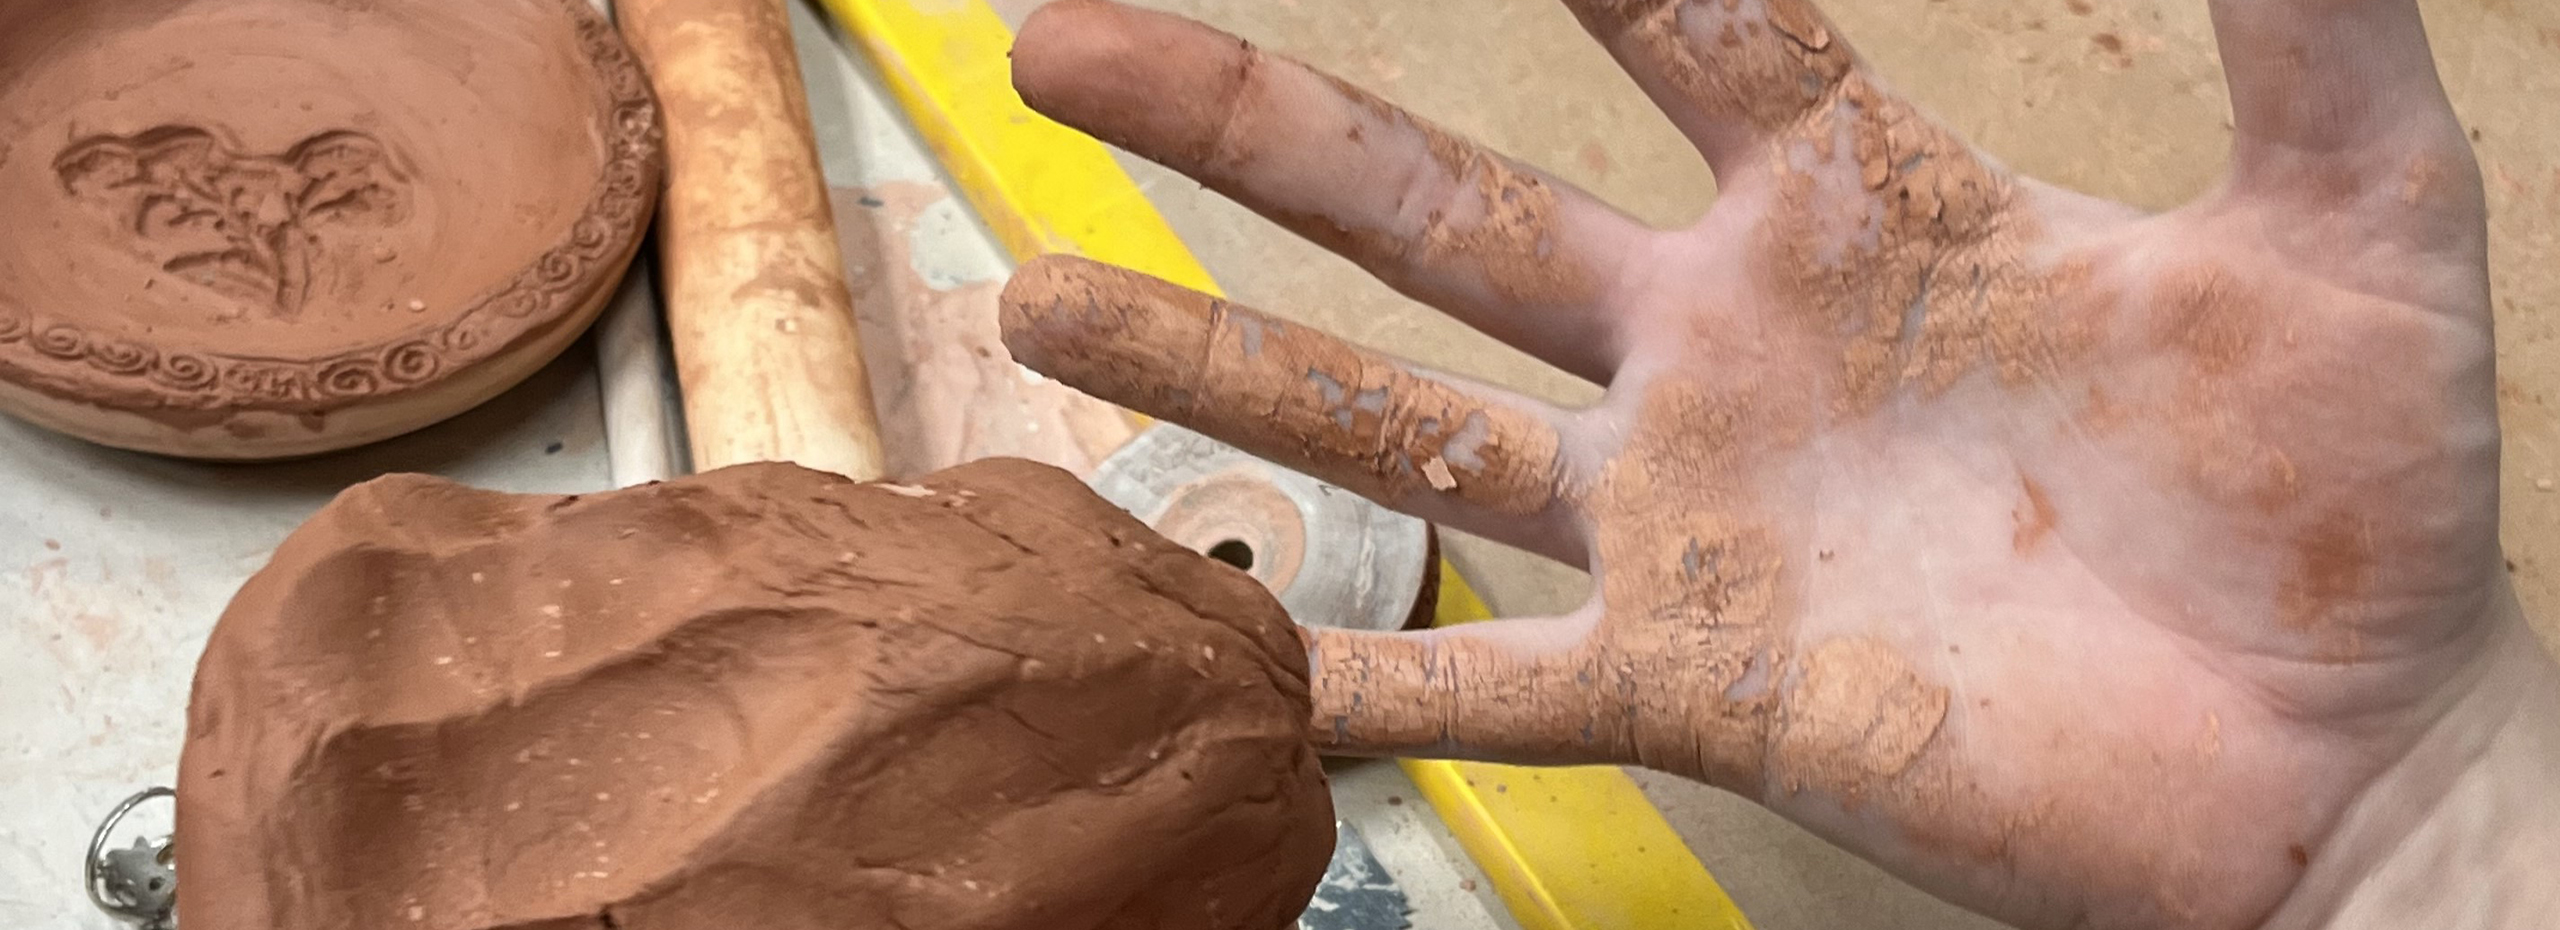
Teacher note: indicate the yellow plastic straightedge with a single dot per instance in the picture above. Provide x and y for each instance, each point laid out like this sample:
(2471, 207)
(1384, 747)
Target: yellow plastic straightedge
(1567, 849)
(1041, 186)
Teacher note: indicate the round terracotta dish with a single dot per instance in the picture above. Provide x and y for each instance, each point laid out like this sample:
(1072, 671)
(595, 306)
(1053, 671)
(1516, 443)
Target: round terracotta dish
(258, 229)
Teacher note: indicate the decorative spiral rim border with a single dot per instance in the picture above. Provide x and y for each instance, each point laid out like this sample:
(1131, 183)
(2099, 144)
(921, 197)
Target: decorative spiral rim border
(137, 375)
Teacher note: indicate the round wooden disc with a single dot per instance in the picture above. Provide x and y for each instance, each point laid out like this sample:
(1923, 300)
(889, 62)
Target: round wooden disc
(250, 229)
(1332, 557)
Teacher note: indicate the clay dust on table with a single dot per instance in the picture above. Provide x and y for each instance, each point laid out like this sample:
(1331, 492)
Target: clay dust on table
(946, 390)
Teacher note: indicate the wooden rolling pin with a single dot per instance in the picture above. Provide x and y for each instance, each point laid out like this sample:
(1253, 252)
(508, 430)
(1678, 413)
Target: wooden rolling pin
(765, 341)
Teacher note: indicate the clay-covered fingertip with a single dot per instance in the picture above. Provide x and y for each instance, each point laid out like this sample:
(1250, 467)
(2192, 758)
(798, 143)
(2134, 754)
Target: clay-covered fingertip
(1117, 334)
(1150, 82)
(1029, 311)
(1064, 47)
(1037, 285)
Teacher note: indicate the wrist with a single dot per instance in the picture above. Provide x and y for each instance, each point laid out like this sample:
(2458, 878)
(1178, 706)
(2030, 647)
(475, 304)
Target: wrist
(2463, 830)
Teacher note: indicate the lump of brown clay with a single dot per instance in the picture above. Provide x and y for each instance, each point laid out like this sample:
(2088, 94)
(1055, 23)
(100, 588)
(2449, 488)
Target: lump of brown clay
(254, 229)
(763, 697)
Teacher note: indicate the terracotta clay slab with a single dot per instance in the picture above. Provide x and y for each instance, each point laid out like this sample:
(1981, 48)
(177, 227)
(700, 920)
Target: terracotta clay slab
(252, 229)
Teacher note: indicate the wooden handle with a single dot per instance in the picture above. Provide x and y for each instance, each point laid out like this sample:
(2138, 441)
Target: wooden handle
(763, 326)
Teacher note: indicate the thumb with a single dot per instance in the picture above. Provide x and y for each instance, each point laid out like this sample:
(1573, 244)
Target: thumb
(1523, 691)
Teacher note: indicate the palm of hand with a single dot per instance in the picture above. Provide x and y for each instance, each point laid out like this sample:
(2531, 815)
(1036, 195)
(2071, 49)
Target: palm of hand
(2026, 544)
(2074, 536)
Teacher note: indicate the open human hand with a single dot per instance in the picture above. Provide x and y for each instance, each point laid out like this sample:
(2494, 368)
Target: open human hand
(2087, 567)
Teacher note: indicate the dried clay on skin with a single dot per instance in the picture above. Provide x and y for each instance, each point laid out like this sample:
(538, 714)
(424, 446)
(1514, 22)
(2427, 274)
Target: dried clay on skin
(1898, 258)
(1920, 264)
(763, 696)
(1363, 421)
(1431, 213)
(1858, 714)
(1773, 59)
(1495, 219)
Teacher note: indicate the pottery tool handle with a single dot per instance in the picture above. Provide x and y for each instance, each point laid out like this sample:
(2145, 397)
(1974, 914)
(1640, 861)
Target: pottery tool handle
(763, 325)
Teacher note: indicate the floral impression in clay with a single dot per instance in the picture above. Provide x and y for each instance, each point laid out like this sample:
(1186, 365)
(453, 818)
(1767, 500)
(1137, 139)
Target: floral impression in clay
(761, 697)
(257, 229)
(2085, 567)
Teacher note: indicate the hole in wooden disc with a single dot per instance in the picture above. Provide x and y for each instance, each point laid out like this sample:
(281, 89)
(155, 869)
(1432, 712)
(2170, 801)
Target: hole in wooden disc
(1233, 552)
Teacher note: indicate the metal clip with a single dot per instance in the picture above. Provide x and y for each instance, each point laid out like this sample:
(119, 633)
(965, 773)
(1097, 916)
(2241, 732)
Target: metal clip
(138, 886)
